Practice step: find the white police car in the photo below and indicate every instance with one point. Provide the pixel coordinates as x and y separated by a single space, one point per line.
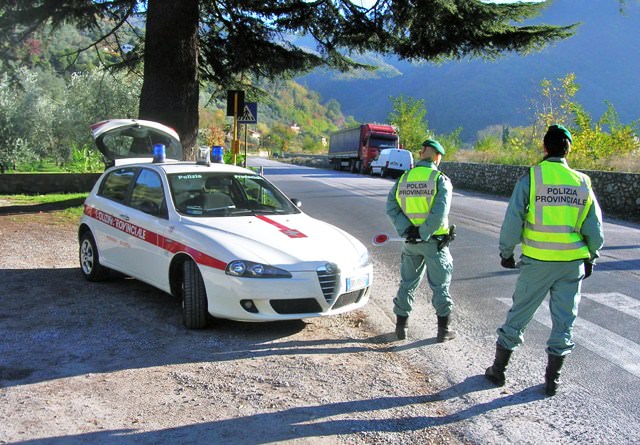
220 237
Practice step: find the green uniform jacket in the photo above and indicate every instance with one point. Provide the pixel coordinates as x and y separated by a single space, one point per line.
437 214
512 226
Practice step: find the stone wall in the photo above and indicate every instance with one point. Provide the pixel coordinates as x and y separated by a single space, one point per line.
617 193
42 183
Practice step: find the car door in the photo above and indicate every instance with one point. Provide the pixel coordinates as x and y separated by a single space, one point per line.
377 163
148 224
111 214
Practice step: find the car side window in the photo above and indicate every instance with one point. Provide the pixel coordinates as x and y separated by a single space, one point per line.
117 184
148 194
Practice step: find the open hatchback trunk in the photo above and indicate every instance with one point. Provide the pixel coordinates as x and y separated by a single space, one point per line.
122 141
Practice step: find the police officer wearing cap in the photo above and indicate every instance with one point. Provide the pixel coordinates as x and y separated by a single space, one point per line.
418 207
554 213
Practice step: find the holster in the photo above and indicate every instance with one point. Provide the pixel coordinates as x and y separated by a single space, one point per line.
445 240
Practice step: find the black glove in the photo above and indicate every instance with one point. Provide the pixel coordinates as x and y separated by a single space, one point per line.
412 235
588 269
508 263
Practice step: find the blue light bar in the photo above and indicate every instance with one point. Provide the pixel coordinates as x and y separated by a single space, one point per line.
159 153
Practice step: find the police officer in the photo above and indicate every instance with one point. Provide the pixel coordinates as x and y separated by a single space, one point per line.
418 207
554 213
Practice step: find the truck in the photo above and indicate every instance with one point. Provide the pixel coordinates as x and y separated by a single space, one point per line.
353 149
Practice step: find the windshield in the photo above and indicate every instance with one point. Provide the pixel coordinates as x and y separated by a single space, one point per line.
383 141
225 194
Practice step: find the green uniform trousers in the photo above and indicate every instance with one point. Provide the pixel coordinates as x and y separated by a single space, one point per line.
438 264
562 280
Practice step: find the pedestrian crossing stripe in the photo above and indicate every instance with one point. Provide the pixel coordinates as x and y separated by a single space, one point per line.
607 344
619 302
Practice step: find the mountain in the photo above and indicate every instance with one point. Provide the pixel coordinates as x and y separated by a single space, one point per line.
474 94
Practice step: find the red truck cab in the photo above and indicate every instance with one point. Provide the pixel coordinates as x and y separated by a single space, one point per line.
353 149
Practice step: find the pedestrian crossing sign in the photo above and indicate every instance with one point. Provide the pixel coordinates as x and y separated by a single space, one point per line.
249 114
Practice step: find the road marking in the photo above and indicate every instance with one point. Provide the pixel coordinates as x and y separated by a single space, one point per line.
619 302
608 345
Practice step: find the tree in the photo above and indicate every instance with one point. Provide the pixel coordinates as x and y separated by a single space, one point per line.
48 118
231 41
408 116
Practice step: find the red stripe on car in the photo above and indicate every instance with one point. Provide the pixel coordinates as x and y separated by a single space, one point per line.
291 233
153 238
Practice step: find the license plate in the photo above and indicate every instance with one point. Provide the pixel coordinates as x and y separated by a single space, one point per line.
357 282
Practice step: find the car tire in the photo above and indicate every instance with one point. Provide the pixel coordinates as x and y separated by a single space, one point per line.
383 172
90 259
194 297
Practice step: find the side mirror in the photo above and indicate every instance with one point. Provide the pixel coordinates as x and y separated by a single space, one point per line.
297 202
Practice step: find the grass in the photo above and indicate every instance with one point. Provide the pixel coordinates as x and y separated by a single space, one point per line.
66 206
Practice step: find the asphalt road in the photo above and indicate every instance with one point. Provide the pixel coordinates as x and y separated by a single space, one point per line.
600 396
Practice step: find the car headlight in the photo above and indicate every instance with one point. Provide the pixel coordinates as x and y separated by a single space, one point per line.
249 269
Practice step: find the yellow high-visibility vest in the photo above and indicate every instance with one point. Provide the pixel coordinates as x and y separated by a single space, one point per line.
415 194
559 199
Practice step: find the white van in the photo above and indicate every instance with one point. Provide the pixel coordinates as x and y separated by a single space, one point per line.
392 162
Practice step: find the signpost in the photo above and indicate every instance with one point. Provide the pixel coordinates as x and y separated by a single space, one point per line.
249 116
235 102
243 113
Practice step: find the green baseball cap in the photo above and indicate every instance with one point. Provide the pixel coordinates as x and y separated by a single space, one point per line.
559 131
434 144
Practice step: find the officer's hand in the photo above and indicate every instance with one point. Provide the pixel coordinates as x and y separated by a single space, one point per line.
508 263
412 234
588 269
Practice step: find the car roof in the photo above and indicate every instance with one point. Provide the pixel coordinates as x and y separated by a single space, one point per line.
391 150
185 166
171 167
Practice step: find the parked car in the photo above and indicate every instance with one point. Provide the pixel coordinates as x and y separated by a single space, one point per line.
220 237
392 162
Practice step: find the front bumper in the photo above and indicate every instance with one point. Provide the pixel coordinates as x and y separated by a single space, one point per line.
304 295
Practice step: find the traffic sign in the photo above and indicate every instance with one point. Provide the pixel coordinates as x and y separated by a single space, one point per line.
249 114
235 98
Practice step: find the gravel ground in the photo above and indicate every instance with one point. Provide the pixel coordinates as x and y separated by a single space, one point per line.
111 363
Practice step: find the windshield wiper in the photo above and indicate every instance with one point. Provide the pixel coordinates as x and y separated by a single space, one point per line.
273 212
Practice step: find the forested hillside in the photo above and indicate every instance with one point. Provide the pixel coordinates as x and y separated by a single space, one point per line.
48 103
604 55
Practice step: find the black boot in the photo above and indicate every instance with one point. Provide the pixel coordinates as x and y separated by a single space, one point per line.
444 333
552 376
401 326
495 372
